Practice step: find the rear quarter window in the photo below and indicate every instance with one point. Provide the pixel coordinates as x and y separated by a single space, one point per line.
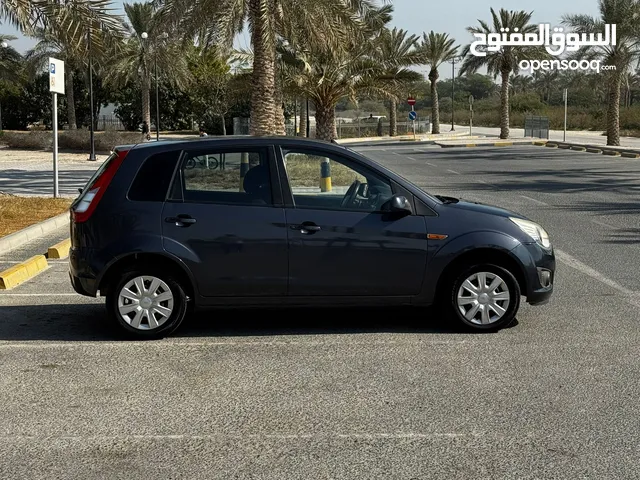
154 177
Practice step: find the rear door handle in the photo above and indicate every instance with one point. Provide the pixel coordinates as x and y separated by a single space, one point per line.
306 228
181 220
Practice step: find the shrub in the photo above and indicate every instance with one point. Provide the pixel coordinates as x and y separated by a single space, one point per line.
27 140
78 140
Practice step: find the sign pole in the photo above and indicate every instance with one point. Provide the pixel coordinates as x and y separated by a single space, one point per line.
564 138
55 145
470 115
56 86
414 124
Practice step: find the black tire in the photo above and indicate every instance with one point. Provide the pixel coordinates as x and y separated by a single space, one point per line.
175 319
455 283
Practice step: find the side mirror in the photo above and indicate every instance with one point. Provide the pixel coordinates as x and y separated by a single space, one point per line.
398 204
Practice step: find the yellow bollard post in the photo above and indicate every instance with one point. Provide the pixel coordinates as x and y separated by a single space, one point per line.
325 175
244 168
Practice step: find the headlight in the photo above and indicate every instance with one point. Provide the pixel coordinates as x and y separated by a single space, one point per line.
534 230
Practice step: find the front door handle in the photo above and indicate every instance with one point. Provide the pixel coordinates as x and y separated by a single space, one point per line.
307 228
181 220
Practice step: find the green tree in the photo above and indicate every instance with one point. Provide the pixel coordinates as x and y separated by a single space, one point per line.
217 21
624 14
146 50
505 61
437 48
397 50
211 92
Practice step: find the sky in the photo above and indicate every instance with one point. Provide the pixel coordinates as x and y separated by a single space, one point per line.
418 16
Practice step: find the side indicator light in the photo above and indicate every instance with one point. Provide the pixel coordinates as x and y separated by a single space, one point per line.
436 236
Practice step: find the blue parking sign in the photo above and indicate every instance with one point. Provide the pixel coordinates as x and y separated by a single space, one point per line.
53 68
412 115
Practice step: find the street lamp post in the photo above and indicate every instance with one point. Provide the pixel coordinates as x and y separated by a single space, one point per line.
453 91
92 153
3 45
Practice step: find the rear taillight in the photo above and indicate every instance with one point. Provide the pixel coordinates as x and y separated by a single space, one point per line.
88 201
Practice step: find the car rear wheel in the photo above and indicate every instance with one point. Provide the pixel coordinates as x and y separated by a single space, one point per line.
484 297
146 304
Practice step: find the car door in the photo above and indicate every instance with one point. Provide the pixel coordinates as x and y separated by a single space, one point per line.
340 242
226 221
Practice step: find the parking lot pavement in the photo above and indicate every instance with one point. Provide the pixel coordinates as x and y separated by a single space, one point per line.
356 394
24 172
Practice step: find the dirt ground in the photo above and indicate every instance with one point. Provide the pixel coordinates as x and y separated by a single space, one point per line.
10 156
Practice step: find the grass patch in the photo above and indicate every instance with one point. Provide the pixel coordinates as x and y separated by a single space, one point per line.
20 212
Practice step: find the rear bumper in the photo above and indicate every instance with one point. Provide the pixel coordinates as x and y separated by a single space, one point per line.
83 280
539 268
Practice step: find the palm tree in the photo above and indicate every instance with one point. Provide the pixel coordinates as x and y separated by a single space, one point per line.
505 61
326 75
10 61
70 19
437 49
144 46
625 14
398 45
217 21
544 81
521 83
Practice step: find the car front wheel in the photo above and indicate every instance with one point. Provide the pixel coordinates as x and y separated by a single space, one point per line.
146 305
484 297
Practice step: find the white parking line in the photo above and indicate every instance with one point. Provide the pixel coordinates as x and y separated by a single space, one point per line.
242 436
429 163
262 343
2 294
535 200
602 224
629 295
453 171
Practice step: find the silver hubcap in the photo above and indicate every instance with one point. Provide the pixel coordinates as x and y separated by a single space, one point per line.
483 298
145 303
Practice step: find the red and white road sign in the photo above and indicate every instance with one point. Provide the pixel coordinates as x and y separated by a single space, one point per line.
411 101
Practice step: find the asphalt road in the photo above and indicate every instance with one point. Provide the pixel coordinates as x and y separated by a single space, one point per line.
370 394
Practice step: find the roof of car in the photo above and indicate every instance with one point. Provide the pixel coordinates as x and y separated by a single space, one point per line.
239 139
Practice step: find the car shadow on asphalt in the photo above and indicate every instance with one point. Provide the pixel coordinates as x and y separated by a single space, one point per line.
87 322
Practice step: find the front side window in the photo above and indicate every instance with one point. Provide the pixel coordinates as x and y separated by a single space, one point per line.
328 181
229 177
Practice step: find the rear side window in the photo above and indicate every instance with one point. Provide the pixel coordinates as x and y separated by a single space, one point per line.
154 177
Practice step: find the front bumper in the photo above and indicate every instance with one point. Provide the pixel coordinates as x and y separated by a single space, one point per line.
539 270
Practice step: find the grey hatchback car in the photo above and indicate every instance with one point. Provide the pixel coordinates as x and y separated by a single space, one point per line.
258 221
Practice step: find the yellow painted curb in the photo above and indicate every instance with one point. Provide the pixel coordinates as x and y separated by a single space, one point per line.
594 150
578 149
611 153
540 144
60 250
22 272
503 144
551 145
630 155
564 147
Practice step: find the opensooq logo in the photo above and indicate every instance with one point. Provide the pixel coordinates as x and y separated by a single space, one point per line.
562 42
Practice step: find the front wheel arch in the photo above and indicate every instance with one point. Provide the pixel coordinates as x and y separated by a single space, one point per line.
481 256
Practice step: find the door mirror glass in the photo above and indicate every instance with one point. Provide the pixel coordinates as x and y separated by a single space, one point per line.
397 204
